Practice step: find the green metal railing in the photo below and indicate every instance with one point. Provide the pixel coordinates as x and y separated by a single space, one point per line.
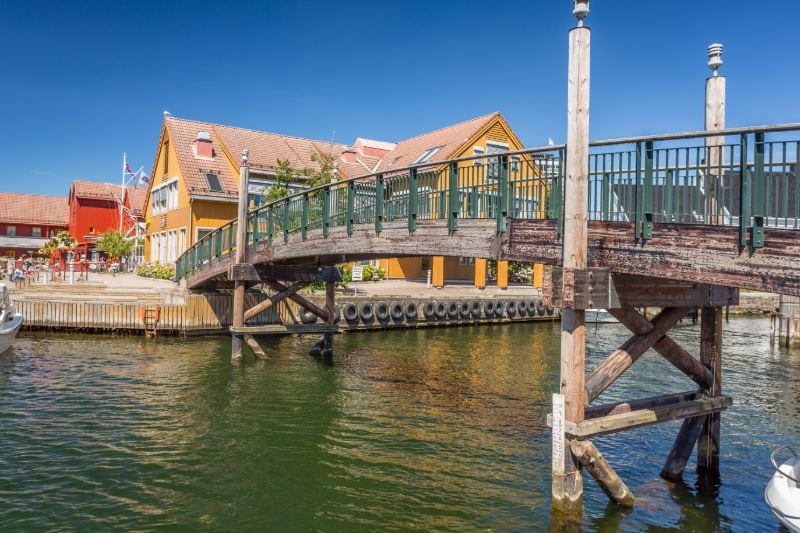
735 177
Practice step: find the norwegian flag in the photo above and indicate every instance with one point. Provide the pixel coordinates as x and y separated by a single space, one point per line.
144 179
128 170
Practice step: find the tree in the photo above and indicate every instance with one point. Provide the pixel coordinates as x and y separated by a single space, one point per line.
114 244
284 175
60 242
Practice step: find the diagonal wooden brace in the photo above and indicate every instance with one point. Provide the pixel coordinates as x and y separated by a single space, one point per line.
272 300
321 313
591 458
627 354
669 349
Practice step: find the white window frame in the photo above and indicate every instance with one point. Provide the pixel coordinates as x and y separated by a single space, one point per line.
478 151
198 229
427 155
164 198
36 231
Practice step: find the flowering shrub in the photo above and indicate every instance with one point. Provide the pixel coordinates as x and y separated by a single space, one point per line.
156 270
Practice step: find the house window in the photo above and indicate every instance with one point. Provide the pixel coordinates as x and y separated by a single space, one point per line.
91 230
10 254
11 231
36 232
477 150
182 241
213 182
426 155
514 163
466 260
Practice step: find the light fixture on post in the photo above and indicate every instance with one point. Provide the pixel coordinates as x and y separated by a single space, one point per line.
580 10
714 57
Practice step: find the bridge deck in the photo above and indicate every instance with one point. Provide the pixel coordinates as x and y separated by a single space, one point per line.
701 253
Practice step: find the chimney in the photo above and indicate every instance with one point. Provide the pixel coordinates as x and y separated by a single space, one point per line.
203 146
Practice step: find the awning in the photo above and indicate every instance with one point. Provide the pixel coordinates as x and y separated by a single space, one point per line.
29 243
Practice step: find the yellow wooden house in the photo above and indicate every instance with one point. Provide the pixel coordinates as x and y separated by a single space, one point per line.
194 180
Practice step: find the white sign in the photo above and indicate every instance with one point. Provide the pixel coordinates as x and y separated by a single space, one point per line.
558 433
358 273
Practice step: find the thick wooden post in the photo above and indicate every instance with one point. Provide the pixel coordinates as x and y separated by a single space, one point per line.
567 483
711 356
330 308
480 273
538 275
502 274
437 276
715 120
240 257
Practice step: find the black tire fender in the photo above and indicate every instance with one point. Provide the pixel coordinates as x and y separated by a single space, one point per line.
396 310
307 317
441 310
381 310
351 312
488 309
429 310
411 311
367 312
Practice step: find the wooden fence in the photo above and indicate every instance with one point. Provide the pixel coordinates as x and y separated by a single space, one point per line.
201 314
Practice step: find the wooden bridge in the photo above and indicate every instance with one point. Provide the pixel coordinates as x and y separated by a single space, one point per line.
677 222
658 207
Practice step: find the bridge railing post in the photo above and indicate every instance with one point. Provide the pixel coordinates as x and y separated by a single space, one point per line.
326 211
745 192
379 203
413 199
647 193
759 211
286 220
304 220
351 206
502 192
453 200
270 225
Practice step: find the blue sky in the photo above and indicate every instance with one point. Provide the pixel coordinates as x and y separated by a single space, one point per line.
83 82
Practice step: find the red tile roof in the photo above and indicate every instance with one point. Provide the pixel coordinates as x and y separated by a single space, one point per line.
183 133
136 196
33 209
95 190
449 139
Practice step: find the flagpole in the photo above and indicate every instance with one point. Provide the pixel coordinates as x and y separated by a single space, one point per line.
122 196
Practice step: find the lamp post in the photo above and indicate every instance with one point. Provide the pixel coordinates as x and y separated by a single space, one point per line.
568 405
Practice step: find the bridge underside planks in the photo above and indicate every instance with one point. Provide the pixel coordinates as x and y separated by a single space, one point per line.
699 253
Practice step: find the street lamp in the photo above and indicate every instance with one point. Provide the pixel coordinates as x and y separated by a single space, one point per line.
580 10
714 57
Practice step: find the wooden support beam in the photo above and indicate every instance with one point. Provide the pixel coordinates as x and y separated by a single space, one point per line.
272 300
330 302
682 448
591 458
644 417
711 356
644 403
620 360
239 258
669 349
278 286
255 346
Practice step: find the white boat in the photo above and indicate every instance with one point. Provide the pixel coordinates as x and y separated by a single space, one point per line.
783 490
10 320
599 316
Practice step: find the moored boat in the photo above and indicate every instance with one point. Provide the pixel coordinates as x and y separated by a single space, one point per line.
783 490
10 320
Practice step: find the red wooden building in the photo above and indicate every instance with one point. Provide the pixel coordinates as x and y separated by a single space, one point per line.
27 221
94 208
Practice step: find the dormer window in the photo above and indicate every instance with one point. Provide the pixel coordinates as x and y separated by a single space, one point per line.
213 182
426 155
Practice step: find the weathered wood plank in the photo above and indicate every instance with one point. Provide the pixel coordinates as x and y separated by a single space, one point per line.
644 417
594 461
627 354
682 448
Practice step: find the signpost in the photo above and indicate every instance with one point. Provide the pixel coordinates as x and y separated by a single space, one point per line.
357 275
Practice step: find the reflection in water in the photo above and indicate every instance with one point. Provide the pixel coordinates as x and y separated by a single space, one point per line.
429 429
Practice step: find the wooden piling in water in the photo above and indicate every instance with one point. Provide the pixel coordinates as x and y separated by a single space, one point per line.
241 257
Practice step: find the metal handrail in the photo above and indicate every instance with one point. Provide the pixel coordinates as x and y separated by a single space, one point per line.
775 464
628 197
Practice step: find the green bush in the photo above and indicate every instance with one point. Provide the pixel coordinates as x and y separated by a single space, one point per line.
156 270
372 273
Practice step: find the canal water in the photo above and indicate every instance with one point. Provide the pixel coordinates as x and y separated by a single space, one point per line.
428 430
